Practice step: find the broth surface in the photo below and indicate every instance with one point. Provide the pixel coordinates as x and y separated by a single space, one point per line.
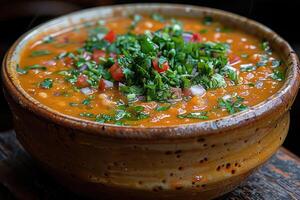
260 73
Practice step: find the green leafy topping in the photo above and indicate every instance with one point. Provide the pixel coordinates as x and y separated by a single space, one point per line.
194 115
263 60
163 108
203 31
123 113
20 70
48 39
180 64
244 55
88 100
251 84
31 67
232 104
72 104
247 67
224 29
46 83
157 17
87 115
265 45
207 20
136 19
40 53
276 63
278 74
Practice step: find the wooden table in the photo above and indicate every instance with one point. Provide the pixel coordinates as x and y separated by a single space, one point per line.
278 179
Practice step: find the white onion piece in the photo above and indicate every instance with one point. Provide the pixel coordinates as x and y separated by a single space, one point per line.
86 55
87 90
187 37
226 97
108 84
83 67
121 84
197 90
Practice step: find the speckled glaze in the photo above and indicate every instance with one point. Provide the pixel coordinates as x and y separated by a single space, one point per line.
196 161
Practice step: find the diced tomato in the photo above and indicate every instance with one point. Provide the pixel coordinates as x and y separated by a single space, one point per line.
165 66
102 85
234 59
68 61
196 37
110 36
116 72
98 54
82 81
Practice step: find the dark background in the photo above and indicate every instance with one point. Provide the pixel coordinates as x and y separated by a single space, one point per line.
17 17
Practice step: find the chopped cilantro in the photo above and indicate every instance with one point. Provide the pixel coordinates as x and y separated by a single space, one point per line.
46 83
72 104
194 115
87 101
40 53
157 17
207 20
263 60
278 74
163 108
224 29
135 20
247 67
203 31
276 63
87 115
232 104
244 55
27 68
48 39
265 45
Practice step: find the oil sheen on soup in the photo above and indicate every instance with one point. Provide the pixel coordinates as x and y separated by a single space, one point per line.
150 70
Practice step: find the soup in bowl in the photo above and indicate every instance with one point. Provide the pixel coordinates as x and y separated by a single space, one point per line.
151 101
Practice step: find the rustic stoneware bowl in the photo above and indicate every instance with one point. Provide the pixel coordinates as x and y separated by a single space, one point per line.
197 161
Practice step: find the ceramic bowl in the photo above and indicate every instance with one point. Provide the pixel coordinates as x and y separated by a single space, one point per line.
196 161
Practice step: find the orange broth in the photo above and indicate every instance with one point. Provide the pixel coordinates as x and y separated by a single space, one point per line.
254 86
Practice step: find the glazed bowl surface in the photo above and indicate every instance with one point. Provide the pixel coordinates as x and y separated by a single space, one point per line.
195 161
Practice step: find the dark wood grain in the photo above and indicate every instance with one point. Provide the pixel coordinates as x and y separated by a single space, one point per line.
279 179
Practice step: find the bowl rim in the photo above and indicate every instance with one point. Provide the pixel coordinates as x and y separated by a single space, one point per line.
283 97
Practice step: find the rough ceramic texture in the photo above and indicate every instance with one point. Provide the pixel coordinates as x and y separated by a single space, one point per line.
196 161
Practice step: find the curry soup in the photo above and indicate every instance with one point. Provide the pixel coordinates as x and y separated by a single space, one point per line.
150 71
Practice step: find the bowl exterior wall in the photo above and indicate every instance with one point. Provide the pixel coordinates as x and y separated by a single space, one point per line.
197 167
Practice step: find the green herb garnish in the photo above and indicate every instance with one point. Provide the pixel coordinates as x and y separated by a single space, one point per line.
244 55
40 53
163 108
194 115
247 67
232 104
157 17
27 68
46 83
203 31
276 63
48 39
265 45
136 19
207 20
278 74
